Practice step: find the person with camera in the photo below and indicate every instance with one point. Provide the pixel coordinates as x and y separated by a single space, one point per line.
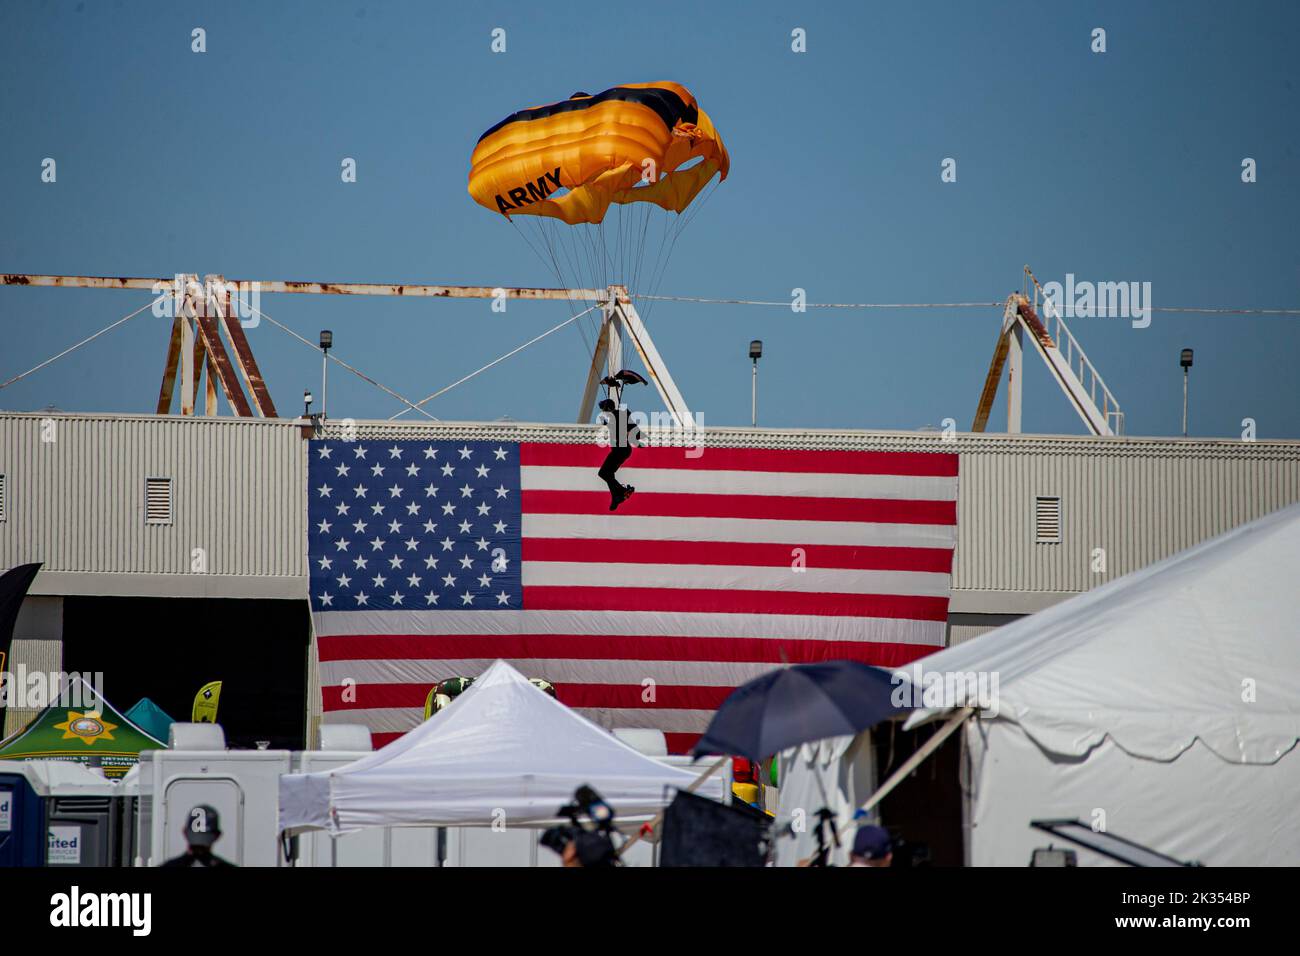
579 845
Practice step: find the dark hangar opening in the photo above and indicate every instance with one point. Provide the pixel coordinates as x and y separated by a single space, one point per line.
167 648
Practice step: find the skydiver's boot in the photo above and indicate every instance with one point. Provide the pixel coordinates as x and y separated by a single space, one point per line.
626 493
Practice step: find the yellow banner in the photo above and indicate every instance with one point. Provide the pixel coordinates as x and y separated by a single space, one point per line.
205 703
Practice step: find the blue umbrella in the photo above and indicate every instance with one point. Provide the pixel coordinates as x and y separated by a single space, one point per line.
796 705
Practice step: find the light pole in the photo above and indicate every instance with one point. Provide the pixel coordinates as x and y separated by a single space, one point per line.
326 343
755 353
1185 360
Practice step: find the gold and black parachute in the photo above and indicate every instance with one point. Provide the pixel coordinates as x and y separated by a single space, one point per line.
639 142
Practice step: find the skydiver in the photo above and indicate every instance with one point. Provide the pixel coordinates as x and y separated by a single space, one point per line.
625 435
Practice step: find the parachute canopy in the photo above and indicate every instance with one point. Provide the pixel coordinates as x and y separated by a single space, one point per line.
629 144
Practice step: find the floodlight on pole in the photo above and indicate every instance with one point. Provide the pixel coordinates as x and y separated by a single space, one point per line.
755 353
1185 360
326 343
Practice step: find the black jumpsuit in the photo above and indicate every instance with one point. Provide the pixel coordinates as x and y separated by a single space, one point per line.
624 436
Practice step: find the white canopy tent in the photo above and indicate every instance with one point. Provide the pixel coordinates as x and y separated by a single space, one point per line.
1164 706
503 752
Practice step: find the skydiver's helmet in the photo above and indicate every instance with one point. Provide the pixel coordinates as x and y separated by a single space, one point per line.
607 405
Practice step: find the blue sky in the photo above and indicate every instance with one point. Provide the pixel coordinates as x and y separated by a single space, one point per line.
1122 166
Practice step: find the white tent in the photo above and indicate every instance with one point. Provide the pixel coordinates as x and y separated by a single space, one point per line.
1164 706
503 752
837 773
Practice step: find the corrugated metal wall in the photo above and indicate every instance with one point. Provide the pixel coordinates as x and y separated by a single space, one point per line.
45 656
76 502
1138 502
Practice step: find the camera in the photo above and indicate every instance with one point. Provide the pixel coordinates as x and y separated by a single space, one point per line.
577 843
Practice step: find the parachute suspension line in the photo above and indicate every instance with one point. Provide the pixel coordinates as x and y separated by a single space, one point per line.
654 270
554 266
570 245
678 228
641 243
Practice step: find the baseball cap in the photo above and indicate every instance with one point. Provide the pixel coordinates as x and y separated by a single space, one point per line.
203 826
872 843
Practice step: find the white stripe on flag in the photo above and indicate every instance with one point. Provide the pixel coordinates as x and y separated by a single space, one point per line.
669 720
641 623
557 671
691 481
657 528
732 578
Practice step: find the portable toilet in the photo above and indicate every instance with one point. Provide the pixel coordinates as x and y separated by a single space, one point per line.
58 813
22 818
82 815
243 786
129 800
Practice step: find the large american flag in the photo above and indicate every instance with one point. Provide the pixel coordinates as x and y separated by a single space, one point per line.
431 559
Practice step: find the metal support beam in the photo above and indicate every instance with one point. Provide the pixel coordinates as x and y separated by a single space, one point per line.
218 301
999 361
654 364
169 370
218 359
1015 375
622 322
157 286
1078 379
187 360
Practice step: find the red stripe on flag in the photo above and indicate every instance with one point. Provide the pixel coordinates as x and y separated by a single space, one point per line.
737 553
666 696
374 696
776 507
682 744
593 647
922 464
670 696
732 601
379 740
